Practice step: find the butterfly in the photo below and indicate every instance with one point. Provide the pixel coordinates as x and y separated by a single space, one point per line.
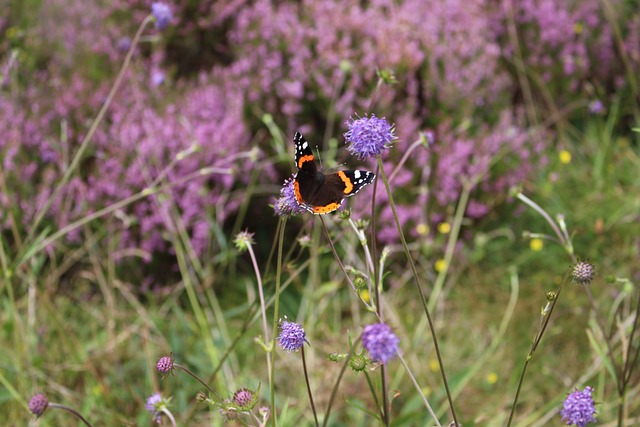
321 193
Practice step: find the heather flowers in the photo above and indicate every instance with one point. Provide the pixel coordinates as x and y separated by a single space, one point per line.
162 15
291 336
380 341
286 204
369 136
578 408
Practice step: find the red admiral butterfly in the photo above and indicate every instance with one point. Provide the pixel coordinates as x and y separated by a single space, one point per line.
321 193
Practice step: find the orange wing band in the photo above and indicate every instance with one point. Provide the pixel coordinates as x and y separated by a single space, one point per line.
305 159
348 185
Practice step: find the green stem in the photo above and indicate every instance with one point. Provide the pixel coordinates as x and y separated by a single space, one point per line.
73 411
420 291
276 306
92 129
306 379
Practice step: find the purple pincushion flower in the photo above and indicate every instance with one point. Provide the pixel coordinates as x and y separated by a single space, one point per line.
287 204
153 403
579 408
292 336
38 404
583 272
162 14
380 341
369 136
245 399
165 364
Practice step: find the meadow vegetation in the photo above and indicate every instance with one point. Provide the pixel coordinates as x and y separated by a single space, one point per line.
157 267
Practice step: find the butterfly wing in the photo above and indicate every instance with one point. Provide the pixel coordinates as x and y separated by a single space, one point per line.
319 193
336 187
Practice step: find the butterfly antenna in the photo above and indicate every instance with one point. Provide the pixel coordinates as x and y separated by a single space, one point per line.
319 158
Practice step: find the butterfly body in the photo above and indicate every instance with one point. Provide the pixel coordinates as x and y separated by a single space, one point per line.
321 193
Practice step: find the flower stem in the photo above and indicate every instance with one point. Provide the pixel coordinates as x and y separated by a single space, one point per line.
534 346
420 291
306 379
73 411
184 368
276 307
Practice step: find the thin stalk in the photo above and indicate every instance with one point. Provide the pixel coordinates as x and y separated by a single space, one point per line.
335 254
420 292
92 129
276 306
334 391
265 328
73 411
306 379
534 346
185 369
419 390
386 409
545 215
372 389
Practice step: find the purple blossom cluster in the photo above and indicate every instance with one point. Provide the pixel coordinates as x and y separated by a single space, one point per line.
285 58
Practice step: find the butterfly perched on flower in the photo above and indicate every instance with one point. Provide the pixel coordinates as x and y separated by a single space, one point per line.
321 193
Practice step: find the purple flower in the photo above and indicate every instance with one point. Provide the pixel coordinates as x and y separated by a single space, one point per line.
162 14
369 136
123 44
245 399
292 336
579 408
38 404
157 77
380 342
165 364
583 272
287 204
596 107
153 406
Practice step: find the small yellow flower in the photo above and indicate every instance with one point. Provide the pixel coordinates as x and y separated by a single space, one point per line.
444 227
364 294
578 27
536 245
440 265
565 157
492 378
434 365
422 229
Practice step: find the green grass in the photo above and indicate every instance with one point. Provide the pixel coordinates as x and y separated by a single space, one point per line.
87 338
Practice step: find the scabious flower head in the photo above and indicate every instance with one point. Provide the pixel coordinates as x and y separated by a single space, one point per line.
583 272
287 205
165 365
38 404
162 14
369 136
243 240
155 405
245 399
380 341
579 408
358 362
291 336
